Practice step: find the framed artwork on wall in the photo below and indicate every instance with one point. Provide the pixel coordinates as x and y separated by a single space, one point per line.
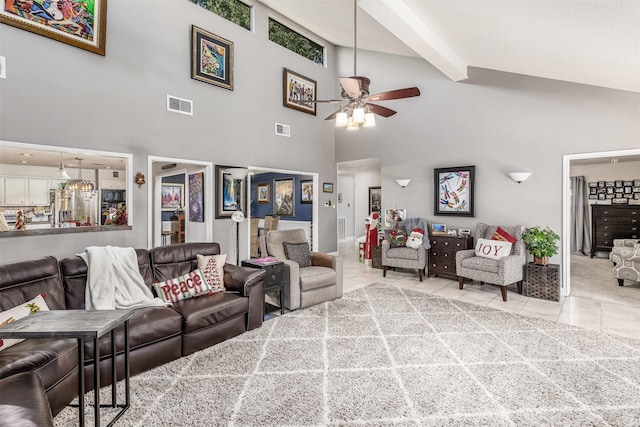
375 199
327 187
296 89
393 216
283 195
454 191
172 196
196 197
211 58
263 193
230 195
306 191
81 24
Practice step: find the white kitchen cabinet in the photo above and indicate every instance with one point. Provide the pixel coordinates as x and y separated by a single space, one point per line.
1 191
15 191
110 184
38 191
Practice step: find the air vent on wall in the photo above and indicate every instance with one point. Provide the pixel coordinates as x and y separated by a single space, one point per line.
283 130
179 105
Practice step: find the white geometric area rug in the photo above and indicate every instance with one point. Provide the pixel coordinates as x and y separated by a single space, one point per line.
386 356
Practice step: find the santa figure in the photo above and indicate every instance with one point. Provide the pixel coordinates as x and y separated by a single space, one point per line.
371 225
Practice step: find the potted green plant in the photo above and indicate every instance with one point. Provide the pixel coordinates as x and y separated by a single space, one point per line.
541 242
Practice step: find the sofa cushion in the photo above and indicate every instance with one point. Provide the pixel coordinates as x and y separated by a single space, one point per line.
298 253
479 263
18 312
502 235
212 267
403 253
189 285
21 281
492 249
208 310
316 277
147 326
175 260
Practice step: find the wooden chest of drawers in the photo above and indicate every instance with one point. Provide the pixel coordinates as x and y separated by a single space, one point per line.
610 222
442 255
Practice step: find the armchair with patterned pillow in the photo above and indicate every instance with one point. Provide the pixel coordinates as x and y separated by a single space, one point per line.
313 277
498 258
395 253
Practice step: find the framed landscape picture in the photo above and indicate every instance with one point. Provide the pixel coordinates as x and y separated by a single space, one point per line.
172 196
454 191
296 89
327 187
263 193
211 58
284 202
81 24
306 191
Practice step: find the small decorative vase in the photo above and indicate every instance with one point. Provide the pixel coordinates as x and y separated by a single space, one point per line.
541 261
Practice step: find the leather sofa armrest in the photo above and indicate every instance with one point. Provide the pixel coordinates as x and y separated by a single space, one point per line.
322 260
242 279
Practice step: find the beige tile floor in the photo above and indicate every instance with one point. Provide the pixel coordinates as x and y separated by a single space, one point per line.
603 316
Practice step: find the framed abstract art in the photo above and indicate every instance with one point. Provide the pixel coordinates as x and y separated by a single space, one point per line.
211 58
454 191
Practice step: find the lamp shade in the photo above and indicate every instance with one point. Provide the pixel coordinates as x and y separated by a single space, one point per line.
519 176
369 120
238 173
358 115
342 119
403 182
352 125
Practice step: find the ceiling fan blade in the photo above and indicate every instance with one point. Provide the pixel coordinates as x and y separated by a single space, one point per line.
395 94
350 86
380 110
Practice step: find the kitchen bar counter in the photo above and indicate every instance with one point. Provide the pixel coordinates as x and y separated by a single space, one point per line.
44 231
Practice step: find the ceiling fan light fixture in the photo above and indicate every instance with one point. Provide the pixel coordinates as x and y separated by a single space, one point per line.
358 115
351 125
342 119
369 120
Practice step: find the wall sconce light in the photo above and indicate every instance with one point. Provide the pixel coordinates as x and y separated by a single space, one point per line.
403 182
140 179
519 176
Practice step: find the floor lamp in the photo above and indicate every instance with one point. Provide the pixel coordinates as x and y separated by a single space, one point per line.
238 174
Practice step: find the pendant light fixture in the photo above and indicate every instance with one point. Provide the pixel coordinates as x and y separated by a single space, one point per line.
62 172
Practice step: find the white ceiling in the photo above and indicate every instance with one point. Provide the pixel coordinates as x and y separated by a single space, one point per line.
594 42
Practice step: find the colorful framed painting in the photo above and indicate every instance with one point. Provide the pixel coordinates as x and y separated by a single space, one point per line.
454 191
284 197
230 194
81 24
298 92
375 199
306 191
211 58
172 196
196 197
327 187
263 193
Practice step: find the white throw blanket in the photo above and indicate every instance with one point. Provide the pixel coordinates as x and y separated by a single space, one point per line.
114 280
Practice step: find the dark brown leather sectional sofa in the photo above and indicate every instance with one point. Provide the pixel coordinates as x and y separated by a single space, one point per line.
157 335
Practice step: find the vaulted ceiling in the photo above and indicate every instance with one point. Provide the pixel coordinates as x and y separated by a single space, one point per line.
594 42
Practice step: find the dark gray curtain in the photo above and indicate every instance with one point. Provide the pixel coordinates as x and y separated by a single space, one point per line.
580 224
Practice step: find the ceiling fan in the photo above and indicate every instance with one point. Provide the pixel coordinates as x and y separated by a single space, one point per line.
355 91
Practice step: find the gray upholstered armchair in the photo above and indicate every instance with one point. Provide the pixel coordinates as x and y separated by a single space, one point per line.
321 281
501 272
403 257
627 265
622 248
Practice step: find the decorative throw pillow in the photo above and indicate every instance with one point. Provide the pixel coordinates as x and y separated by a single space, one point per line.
502 235
396 237
213 269
299 253
23 310
183 287
492 249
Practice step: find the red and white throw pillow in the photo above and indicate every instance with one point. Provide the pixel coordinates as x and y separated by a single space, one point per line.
213 269
183 287
492 249
23 310
502 235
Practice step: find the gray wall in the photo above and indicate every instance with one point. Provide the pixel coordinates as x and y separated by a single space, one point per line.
60 95
499 122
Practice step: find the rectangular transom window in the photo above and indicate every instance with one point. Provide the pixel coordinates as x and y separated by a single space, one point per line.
231 10
295 42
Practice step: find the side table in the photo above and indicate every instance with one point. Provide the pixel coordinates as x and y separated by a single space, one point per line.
543 281
81 324
274 280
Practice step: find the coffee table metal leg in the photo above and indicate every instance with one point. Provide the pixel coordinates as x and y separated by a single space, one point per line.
113 368
126 364
81 382
282 300
96 381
